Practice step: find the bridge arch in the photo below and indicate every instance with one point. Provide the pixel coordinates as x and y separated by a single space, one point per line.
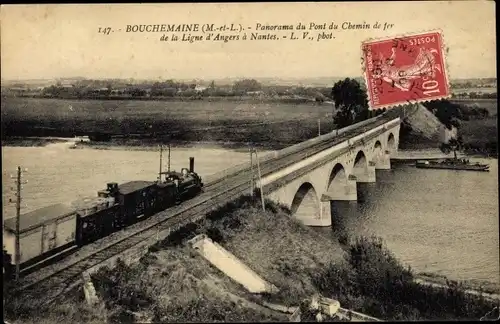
337 178
363 168
377 151
360 161
305 203
391 143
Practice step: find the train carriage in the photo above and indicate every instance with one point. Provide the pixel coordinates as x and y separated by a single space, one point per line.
43 233
97 217
137 199
51 232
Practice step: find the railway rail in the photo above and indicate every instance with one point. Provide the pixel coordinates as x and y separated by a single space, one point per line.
216 193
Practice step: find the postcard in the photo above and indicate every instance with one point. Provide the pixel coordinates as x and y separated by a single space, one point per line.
283 161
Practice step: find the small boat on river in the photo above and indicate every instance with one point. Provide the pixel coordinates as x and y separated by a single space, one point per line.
453 164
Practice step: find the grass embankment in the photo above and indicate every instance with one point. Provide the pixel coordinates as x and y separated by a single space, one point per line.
73 309
280 249
173 283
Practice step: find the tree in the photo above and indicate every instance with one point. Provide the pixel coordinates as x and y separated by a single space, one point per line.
445 111
351 102
247 85
454 144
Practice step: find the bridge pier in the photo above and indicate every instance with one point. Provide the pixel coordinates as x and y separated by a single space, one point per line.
383 161
325 215
366 174
347 192
322 218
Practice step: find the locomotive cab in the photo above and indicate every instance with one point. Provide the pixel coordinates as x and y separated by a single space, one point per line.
110 191
187 182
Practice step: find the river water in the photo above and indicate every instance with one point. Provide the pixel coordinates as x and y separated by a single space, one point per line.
57 174
438 221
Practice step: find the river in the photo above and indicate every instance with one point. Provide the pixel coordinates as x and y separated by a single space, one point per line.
57 174
439 221
443 222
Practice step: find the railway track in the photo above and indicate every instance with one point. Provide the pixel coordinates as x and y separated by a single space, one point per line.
216 193
313 149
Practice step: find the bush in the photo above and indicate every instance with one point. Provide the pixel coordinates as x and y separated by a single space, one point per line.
372 281
444 110
119 288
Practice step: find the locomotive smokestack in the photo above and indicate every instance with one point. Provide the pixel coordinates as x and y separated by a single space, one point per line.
191 164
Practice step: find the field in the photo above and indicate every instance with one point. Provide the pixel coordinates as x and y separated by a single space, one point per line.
490 104
481 135
183 121
477 90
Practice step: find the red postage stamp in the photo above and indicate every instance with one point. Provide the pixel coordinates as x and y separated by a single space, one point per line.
402 70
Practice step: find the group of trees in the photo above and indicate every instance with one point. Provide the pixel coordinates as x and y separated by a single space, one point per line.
247 85
351 103
450 113
474 83
474 95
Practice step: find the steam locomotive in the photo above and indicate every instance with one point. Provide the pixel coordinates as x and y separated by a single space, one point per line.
59 229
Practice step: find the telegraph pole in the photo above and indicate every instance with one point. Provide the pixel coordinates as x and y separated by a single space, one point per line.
251 170
19 183
18 219
319 126
168 166
260 181
161 156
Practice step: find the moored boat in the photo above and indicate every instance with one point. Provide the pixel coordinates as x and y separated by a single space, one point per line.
453 164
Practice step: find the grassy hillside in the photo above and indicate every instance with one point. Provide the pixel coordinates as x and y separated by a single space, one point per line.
476 122
172 283
420 128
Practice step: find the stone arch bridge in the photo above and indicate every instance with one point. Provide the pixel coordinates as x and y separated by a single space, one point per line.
309 186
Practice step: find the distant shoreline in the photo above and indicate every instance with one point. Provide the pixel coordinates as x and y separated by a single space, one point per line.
149 145
136 145
246 98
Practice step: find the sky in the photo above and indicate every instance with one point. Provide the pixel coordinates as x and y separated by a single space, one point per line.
62 41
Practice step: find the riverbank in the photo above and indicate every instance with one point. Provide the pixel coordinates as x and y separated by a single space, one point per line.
30 142
140 144
173 283
489 289
145 145
421 154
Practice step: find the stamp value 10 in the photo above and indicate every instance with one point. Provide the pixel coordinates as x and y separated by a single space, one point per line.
403 70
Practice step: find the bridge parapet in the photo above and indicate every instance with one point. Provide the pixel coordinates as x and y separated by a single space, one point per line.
296 147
